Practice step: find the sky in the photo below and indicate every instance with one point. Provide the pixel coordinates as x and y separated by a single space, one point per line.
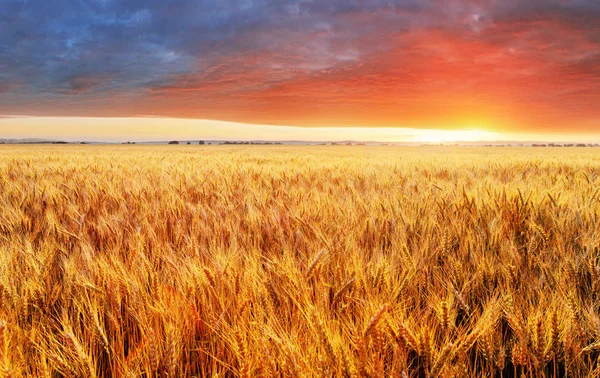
233 69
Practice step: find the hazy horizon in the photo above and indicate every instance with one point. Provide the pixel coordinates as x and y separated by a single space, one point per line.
140 129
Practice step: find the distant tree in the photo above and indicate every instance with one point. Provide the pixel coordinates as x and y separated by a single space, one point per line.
201 142
189 142
174 142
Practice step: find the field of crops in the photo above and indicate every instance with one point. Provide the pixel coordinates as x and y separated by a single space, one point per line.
299 261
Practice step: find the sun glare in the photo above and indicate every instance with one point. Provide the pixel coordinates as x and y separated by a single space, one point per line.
447 136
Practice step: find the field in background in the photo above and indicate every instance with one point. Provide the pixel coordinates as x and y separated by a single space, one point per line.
298 261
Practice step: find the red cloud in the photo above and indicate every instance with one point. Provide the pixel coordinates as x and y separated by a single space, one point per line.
508 74
463 63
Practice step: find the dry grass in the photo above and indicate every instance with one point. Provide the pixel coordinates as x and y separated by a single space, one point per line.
294 261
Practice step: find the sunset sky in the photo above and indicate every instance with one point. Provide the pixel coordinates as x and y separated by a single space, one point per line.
412 70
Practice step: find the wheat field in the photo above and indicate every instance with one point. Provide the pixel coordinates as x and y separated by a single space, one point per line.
284 261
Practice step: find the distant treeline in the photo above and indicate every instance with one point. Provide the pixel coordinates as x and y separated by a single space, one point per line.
565 145
260 143
337 144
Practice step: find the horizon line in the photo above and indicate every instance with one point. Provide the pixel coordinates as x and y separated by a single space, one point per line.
340 142
148 129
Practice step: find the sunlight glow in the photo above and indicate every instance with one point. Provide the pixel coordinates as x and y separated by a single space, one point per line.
148 129
446 136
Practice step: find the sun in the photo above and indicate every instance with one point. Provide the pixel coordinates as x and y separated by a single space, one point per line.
465 135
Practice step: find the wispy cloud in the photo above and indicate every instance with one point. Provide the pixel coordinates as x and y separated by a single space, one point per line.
510 64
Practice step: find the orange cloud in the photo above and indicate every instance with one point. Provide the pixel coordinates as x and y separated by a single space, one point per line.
506 75
497 65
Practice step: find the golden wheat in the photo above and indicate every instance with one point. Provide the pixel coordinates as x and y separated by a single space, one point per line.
267 261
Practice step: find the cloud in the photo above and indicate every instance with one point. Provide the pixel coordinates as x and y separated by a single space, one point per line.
82 83
513 63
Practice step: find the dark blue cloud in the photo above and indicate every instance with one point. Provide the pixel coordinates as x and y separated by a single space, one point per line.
131 43
52 52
